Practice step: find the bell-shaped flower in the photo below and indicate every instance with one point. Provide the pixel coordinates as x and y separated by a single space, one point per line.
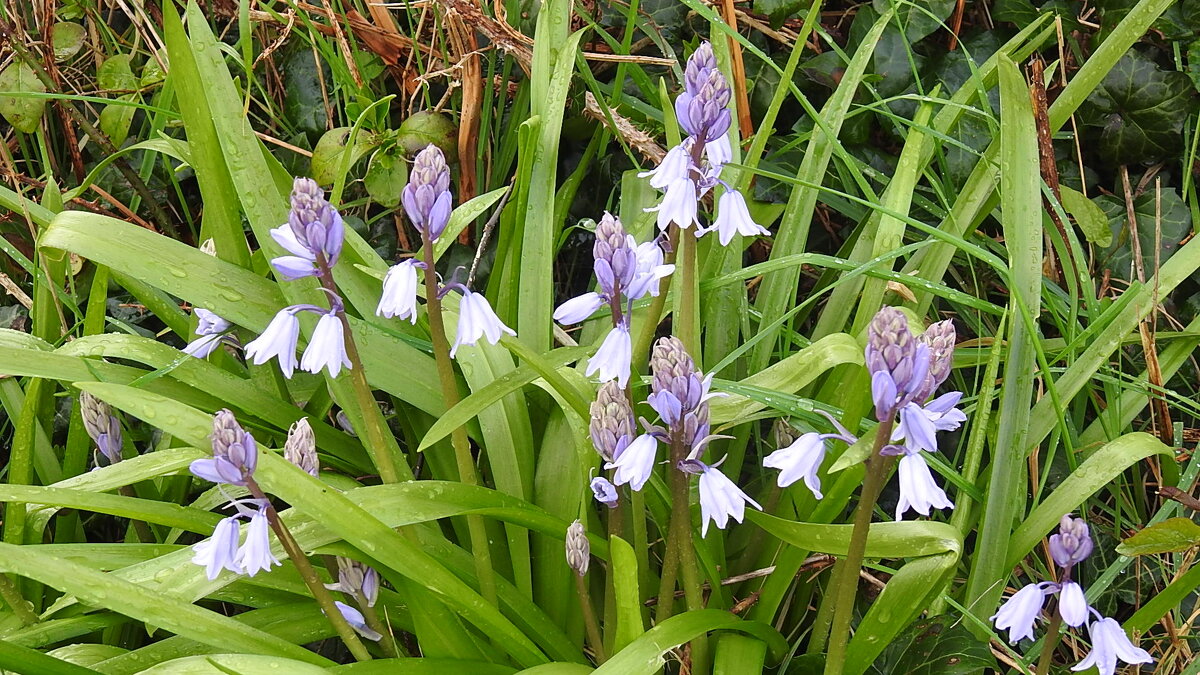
399 297
801 459
1110 644
720 498
650 270
612 360
676 165
918 490
943 413
327 349
278 340
718 151
294 267
1020 611
915 429
678 204
734 218
604 491
475 320
220 550
255 555
357 621
636 462
578 309
1072 604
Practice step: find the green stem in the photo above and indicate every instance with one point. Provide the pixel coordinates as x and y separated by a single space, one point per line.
687 327
391 648
846 588
16 602
1049 643
680 553
458 438
321 594
377 445
589 619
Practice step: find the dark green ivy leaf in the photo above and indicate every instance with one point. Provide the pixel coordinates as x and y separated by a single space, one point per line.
932 648
919 18
1139 110
1173 535
1174 223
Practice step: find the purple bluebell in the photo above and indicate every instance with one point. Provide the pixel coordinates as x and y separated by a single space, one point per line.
635 463
650 270
680 204
357 621
733 218
1072 604
1109 645
801 459
1020 611
300 448
720 498
235 453
898 362
357 580
1072 543
255 555
102 427
918 490
327 348
604 491
426 197
210 331
476 319
578 549
277 340
611 426
612 360
220 550
313 234
399 297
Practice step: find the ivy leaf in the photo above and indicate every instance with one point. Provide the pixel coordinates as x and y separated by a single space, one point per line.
932 648
1193 60
115 119
327 156
1173 535
1139 110
919 18
779 10
23 112
1174 222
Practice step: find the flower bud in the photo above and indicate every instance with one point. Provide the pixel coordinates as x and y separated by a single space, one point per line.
301 447
427 198
604 491
313 221
235 453
102 426
612 420
578 548
357 579
616 261
699 64
1072 544
940 337
892 351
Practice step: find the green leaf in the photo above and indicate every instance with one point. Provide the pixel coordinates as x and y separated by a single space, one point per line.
918 17
428 128
116 74
1092 219
330 152
23 112
434 666
387 173
1160 214
1139 110
32 662
1172 535
645 654
66 39
931 647
232 664
624 570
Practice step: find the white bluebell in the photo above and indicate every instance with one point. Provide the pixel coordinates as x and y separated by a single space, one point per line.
1109 645
918 490
1020 611
399 296
721 499
635 463
612 360
476 319
255 555
220 550
327 348
277 340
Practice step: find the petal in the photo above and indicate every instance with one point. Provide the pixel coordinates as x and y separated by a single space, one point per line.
578 308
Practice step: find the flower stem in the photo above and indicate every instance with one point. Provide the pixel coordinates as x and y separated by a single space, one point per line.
847 581
687 327
1049 643
391 469
458 438
391 648
589 619
681 556
321 594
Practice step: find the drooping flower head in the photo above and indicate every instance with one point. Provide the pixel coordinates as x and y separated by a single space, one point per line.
255 555
301 447
313 234
357 621
278 339
103 427
426 198
1020 611
612 360
327 348
477 319
399 297
604 491
635 463
612 423
235 453
720 498
579 550
1109 645
357 580
220 550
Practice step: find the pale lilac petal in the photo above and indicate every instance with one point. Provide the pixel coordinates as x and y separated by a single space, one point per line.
719 151
204 345
916 429
475 320
733 217
255 555
801 459
357 621
277 340
285 237
612 360
327 349
604 491
578 309
667 405
721 498
294 267
636 463
1019 612
219 551
883 393
675 165
918 491
1110 643
217 470
1072 604
399 296
209 323
678 205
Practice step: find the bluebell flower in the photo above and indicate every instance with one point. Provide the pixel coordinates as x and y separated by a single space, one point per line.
210 331
219 551
611 425
650 270
801 459
235 453
734 218
635 463
1109 645
277 340
1072 543
426 197
313 234
1072 604
612 360
255 554
399 297
476 319
327 348
720 498
579 308
918 490
300 448
1018 614
604 491
357 621
357 580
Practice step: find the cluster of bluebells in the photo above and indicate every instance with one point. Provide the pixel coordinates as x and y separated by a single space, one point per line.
1070 546
211 329
360 582
679 394
693 167
427 201
906 370
235 456
102 427
625 272
313 235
